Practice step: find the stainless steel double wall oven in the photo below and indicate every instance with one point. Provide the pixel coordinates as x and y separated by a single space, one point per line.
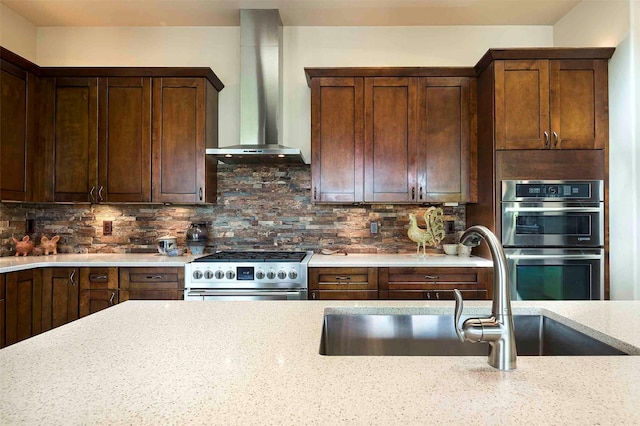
553 238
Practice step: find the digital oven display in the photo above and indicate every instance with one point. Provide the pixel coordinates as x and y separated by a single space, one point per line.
544 190
245 273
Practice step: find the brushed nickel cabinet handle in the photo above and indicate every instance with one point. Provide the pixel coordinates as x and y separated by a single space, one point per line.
313 295
98 277
315 193
100 193
437 296
71 277
546 139
200 193
343 278
421 193
431 277
429 295
154 277
413 193
113 294
555 139
93 199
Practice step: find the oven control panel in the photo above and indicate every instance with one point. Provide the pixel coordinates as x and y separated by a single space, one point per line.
222 272
552 190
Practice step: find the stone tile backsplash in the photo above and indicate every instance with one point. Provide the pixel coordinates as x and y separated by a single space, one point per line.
259 207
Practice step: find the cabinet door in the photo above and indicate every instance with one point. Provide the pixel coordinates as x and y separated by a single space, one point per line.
337 146
124 144
23 315
178 148
76 139
60 296
98 289
522 104
2 312
579 104
445 122
16 131
390 139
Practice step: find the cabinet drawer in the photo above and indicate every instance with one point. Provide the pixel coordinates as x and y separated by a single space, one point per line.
93 300
146 294
343 295
151 278
432 275
98 278
435 294
349 279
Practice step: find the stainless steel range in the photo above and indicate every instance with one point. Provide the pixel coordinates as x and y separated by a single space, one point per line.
248 275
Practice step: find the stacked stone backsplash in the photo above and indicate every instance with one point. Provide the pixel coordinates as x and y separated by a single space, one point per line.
259 207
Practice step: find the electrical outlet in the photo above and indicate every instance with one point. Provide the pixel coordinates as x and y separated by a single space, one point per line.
450 226
373 227
107 227
30 227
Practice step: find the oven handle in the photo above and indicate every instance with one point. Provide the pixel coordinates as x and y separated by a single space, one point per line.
240 293
555 256
554 209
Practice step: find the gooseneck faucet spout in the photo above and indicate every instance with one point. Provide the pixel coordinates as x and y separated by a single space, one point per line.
497 329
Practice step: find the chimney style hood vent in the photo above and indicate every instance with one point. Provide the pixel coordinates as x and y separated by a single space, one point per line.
260 93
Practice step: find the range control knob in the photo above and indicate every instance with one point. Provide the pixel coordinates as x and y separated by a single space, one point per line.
231 275
259 274
282 274
293 274
219 274
271 274
208 274
197 275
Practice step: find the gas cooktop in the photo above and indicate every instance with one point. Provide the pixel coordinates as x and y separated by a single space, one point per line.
254 256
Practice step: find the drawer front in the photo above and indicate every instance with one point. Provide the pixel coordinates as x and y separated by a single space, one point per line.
338 279
155 277
138 294
151 278
99 278
343 295
92 301
435 294
433 275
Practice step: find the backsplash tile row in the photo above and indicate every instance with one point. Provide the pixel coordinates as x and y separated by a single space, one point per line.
259 207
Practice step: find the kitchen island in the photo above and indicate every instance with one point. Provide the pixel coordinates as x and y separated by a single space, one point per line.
175 362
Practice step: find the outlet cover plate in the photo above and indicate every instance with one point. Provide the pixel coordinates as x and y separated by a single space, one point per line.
107 227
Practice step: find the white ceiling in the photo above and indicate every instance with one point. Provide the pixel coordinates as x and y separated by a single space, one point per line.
293 12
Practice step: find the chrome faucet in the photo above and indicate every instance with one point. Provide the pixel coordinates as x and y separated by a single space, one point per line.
497 329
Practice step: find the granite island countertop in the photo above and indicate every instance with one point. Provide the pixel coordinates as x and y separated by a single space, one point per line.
75 260
176 362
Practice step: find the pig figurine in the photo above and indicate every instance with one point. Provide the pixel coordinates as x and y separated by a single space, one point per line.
23 247
49 245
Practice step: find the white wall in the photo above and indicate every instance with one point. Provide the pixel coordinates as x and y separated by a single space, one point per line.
17 34
600 23
218 48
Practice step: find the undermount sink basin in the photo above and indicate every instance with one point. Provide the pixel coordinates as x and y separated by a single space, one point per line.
372 334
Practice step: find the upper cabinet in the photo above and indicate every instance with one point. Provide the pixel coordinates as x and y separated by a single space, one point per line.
17 126
392 135
550 103
118 137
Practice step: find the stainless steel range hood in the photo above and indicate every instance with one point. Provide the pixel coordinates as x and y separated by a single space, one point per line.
260 93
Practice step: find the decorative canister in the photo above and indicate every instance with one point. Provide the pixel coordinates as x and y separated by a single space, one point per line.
197 236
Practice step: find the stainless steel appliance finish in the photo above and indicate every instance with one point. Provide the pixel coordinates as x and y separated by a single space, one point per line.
261 95
497 329
251 275
552 214
556 274
553 238
434 335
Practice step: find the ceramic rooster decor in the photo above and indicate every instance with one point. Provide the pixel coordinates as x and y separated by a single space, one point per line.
432 235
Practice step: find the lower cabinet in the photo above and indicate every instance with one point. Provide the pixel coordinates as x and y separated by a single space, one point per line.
98 289
60 296
22 305
433 283
151 284
343 283
2 311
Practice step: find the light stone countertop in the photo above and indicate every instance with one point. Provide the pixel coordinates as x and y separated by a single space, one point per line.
227 363
396 260
13 263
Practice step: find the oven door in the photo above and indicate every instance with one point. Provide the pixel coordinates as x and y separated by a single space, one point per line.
244 294
556 274
551 224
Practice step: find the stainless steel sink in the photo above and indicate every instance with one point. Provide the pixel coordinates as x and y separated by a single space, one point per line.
370 334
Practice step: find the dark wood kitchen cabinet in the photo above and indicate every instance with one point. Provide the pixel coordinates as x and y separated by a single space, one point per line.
18 151
551 104
2 312
343 283
185 123
98 289
60 296
22 305
151 283
409 283
392 135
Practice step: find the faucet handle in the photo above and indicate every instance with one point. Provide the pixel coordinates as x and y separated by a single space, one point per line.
458 314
